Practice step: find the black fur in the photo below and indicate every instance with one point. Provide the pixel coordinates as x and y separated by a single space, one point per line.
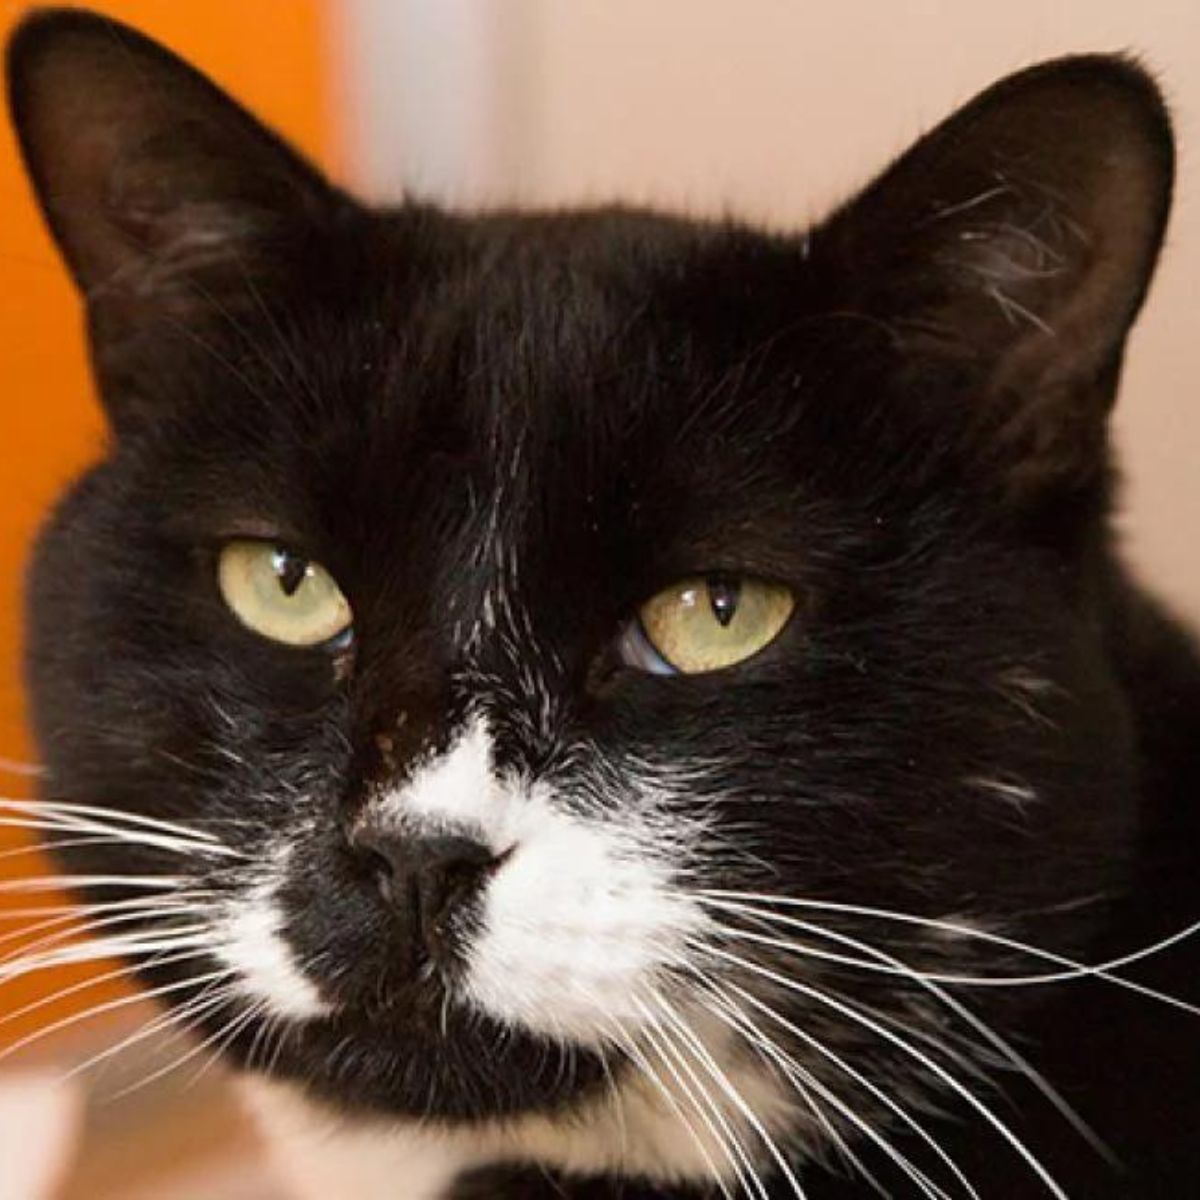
901 415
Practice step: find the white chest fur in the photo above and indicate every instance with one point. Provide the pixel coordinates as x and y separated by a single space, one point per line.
319 1157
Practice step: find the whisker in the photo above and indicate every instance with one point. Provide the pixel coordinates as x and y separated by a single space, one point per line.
43 847
283 1033
41 910
195 1009
77 911
873 1089
803 1082
102 1009
927 983
125 970
13 766
920 1056
170 1018
54 883
115 835
709 1112
81 932
65 919
628 1046
1075 970
220 1042
117 816
263 1036
112 947
723 1082
68 927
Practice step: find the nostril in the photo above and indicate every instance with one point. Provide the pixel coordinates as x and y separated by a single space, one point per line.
424 880
381 869
448 871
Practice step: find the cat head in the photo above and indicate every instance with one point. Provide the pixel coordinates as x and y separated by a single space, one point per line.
538 650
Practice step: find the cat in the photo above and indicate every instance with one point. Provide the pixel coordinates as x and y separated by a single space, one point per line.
604 704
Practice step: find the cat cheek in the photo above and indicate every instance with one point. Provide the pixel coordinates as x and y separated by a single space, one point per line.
252 945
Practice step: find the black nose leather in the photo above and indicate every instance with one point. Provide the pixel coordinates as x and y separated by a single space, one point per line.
425 879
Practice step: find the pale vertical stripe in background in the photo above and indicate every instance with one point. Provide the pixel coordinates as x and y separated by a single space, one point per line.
434 96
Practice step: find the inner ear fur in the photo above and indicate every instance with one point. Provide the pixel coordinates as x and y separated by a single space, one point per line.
148 174
1014 245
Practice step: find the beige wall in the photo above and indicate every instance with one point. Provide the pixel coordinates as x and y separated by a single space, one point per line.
774 108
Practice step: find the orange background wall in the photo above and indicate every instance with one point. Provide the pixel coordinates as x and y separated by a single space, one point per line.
272 55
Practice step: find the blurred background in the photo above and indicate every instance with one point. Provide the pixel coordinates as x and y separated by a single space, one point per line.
768 109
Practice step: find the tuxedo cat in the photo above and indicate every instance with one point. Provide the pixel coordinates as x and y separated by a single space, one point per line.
600 704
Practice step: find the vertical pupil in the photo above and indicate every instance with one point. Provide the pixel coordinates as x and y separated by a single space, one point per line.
723 595
290 570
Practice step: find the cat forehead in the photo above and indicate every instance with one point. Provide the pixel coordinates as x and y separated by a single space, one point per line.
512 346
599 280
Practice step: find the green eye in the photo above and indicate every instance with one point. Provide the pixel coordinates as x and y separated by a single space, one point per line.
705 624
280 595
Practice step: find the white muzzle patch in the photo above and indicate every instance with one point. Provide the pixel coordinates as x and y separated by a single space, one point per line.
582 917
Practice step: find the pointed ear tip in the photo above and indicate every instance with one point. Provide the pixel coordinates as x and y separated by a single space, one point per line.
41 28
26 43
1113 84
47 32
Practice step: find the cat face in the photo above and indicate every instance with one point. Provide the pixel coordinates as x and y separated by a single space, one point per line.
575 641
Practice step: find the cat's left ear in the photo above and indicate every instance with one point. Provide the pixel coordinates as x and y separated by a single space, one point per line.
1015 243
151 178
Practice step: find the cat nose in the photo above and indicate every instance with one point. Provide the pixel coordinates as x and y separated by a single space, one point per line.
426 879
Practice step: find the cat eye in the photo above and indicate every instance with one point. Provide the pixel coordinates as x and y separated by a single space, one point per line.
705 623
281 595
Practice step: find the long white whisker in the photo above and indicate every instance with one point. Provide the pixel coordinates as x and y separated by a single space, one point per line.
55 914
803 1082
890 1036
1074 970
709 1112
263 1036
14 766
109 815
40 910
170 1017
113 947
724 1083
123 971
76 908
115 836
195 1009
221 1041
896 965
628 1046
281 1040
54 883
873 1089
67 918
71 928
80 932
44 847
101 1009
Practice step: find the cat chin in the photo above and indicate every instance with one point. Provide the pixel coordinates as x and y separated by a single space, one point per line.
633 1127
416 1064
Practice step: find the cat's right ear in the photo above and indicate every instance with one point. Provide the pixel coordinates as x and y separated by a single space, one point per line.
151 178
